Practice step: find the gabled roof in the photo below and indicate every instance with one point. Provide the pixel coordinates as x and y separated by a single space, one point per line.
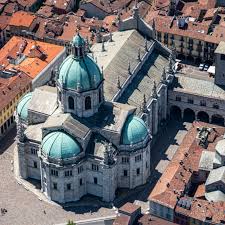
22 18
115 60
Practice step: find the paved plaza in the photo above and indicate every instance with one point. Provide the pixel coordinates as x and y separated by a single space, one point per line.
23 207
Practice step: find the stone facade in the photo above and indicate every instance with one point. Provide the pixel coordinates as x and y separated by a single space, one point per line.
109 155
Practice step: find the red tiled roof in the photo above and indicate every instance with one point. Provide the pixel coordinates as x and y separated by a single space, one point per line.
4 22
22 18
179 172
26 3
152 220
9 88
122 220
38 55
129 208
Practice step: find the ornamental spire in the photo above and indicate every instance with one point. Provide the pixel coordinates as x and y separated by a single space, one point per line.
139 54
110 37
146 45
174 53
163 77
154 91
129 68
170 66
144 104
118 83
103 45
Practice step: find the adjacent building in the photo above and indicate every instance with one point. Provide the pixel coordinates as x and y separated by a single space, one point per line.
191 189
24 65
101 9
11 89
194 29
37 59
195 95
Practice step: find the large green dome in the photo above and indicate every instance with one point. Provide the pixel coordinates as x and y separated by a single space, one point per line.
134 130
22 107
82 73
59 145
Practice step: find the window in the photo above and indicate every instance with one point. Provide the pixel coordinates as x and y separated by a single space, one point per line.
222 57
81 182
125 160
178 98
94 167
55 186
190 100
80 169
68 187
159 36
138 171
87 103
71 102
95 180
203 103
33 151
54 173
35 164
138 158
100 95
190 42
125 173
68 173
215 106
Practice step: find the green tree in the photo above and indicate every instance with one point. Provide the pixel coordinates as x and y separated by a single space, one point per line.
70 222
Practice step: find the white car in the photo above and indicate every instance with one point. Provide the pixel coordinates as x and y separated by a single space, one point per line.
201 66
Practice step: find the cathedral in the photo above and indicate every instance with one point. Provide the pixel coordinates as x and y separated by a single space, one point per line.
75 141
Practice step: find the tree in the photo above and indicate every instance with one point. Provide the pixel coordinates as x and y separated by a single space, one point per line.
70 222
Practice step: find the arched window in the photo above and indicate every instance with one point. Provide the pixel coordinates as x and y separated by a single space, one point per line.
71 102
87 103
100 95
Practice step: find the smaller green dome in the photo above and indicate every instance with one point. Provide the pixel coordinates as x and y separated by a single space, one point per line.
59 145
22 107
78 41
134 130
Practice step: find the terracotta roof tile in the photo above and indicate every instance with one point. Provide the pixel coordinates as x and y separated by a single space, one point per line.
129 208
22 18
122 220
37 55
178 174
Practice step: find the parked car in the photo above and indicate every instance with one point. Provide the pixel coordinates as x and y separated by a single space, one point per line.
206 67
201 66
